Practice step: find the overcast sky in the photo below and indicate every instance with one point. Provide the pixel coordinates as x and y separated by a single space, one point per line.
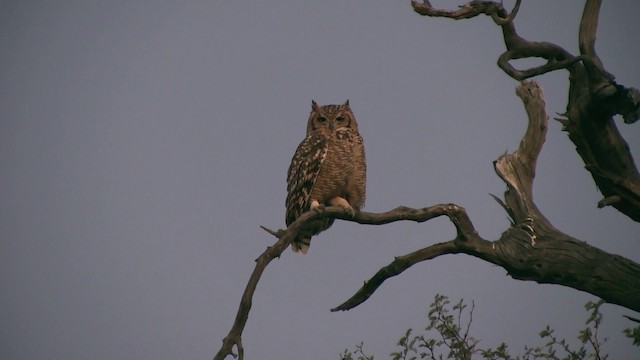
142 143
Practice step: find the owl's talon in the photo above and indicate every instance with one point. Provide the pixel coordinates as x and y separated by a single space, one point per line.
349 210
319 208
344 204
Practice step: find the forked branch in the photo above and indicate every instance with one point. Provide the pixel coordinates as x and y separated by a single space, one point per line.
594 97
532 248
517 47
457 215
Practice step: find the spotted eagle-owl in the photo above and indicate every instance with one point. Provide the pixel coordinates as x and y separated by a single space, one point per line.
328 169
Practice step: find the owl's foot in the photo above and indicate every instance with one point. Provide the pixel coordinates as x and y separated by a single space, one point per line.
343 203
317 207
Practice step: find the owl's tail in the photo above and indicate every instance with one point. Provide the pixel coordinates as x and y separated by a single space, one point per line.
301 245
303 240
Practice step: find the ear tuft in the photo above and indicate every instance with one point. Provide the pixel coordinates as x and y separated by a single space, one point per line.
314 105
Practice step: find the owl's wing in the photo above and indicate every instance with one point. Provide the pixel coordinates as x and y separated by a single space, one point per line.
303 173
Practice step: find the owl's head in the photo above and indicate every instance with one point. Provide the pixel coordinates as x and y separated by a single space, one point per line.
331 116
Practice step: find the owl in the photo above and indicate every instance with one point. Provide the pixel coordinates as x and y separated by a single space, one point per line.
328 168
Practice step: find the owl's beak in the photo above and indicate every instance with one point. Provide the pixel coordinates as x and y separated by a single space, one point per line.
332 125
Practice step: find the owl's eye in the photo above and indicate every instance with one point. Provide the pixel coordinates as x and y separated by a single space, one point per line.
321 119
340 119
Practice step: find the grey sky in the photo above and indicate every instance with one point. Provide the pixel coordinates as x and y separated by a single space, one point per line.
142 143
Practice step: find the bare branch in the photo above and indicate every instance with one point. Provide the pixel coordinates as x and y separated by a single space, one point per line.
533 251
396 267
532 96
276 233
509 18
547 51
234 338
517 170
458 216
468 10
600 78
594 97
285 237
532 248
467 238
506 208
589 28
517 47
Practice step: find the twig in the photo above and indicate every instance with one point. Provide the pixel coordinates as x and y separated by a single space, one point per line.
594 96
396 267
234 338
517 47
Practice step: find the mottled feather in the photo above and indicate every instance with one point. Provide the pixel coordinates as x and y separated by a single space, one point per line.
303 173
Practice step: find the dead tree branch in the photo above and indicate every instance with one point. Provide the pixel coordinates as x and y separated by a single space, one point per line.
517 47
285 237
517 252
594 97
532 248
